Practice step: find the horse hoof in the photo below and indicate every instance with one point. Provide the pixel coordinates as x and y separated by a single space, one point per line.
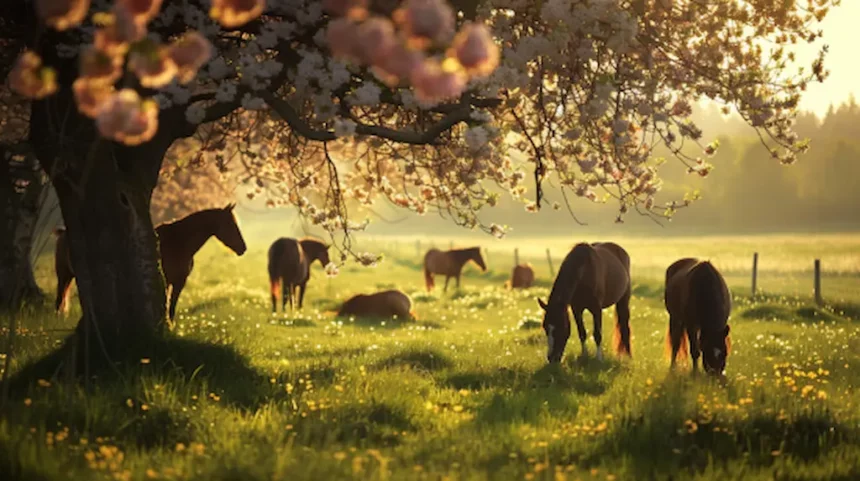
599 354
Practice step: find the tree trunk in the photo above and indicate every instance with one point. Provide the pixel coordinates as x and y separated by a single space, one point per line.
104 192
20 195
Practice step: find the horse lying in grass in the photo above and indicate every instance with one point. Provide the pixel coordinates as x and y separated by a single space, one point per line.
382 304
178 242
290 268
592 277
699 305
450 264
522 277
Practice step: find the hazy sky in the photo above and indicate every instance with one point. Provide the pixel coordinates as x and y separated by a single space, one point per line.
842 35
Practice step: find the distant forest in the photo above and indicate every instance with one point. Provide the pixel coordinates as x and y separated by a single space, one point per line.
747 192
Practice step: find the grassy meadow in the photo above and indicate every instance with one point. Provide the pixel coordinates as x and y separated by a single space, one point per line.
462 393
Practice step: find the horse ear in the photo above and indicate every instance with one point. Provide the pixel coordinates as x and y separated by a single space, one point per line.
541 303
230 206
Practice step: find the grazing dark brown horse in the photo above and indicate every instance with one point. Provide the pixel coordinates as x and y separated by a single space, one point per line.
450 264
592 277
522 277
290 268
380 304
178 242
699 305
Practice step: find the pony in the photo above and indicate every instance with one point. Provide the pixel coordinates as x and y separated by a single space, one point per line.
178 242
522 277
699 303
290 268
592 277
450 264
383 304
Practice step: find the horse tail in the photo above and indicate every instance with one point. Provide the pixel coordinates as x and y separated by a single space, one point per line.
428 278
622 335
413 314
682 348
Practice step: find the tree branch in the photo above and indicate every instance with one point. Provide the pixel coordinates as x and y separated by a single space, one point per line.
297 124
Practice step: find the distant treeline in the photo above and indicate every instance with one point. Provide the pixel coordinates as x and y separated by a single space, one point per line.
747 192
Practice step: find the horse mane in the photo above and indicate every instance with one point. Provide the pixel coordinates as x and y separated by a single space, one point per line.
194 216
464 254
706 286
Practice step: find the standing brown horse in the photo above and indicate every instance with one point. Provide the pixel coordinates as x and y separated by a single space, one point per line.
699 303
450 264
522 277
592 277
290 268
380 304
178 242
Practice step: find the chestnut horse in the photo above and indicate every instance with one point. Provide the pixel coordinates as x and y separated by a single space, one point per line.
290 268
450 264
178 242
383 304
592 277
522 277
699 305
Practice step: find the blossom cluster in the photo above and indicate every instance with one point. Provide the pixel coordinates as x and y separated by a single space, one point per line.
120 38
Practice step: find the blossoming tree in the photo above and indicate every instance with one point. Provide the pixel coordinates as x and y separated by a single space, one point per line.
421 102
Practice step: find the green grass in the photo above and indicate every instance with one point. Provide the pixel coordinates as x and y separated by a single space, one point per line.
462 393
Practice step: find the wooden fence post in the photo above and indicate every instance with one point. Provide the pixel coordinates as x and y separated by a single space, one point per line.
818 299
754 273
549 261
516 256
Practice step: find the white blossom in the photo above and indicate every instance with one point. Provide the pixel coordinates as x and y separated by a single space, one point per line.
226 92
195 113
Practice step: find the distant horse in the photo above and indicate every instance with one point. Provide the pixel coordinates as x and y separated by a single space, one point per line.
178 242
522 277
290 268
699 303
592 277
450 264
382 304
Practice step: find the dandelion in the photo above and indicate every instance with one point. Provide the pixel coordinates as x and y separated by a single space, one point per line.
30 79
62 14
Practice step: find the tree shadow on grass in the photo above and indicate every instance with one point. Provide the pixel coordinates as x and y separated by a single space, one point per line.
222 367
416 359
659 440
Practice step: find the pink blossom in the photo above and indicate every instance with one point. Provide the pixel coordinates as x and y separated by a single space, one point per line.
235 13
120 29
90 95
30 79
434 81
425 21
62 14
354 9
143 11
189 53
124 117
342 37
399 64
375 40
474 48
153 67
97 66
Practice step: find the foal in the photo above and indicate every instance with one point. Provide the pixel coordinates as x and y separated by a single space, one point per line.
450 264
290 268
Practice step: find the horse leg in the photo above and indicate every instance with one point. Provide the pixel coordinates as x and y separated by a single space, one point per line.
693 338
302 294
447 279
580 327
597 314
274 288
64 282
174 297
458 282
